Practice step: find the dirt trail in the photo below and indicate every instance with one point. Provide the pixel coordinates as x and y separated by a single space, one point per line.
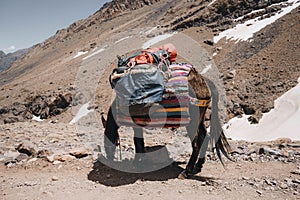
55 171
78 180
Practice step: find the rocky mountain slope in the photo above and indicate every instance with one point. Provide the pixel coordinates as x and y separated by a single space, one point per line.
254 73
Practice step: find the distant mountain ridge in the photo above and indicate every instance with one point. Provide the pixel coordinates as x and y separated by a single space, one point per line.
6 60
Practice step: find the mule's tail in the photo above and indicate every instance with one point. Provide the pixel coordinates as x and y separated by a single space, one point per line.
216 132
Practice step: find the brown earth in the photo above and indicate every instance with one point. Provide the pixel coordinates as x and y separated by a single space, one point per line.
262 170
73 180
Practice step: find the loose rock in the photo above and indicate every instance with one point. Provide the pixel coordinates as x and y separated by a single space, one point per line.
79 152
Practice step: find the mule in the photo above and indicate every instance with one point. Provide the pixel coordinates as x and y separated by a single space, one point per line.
201 89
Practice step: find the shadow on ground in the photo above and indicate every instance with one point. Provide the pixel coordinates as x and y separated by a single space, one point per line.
118 173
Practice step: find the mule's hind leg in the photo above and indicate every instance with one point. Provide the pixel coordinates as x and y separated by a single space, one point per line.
190 166
111 135
197 133
139 143
203 143
192 130
199 145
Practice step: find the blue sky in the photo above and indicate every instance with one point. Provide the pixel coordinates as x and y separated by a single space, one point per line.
24 23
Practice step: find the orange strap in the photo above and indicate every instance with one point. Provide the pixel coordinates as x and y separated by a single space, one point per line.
199 102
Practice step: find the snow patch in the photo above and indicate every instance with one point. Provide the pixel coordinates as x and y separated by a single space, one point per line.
83 111
35 118
93 54
124 38
157 39
280 122
151 30
208 67
80 53
246 30
253 12
212 3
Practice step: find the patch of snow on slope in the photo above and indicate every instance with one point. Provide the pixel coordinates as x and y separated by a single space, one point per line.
151 30
280 122
206 69
38 119
93 54
246 30
253 12
157 39
124 38
83 111
80 53
213 1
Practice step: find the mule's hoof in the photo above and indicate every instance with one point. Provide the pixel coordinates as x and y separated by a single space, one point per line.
110 157
197 170
183 175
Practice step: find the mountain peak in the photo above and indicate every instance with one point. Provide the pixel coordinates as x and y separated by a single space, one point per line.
2 54
116 7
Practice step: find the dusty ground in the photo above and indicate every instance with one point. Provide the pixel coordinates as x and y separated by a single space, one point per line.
51 172
77 180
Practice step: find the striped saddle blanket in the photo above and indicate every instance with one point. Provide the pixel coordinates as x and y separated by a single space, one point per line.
172 111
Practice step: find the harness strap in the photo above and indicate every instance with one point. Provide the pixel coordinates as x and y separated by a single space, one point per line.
199 102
